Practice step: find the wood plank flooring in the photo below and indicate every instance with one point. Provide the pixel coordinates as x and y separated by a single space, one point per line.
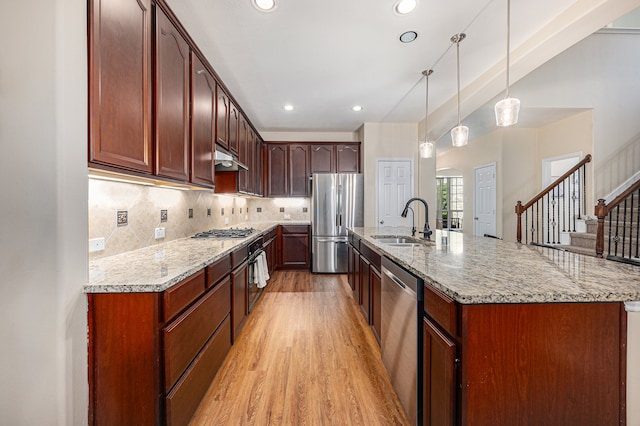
305 357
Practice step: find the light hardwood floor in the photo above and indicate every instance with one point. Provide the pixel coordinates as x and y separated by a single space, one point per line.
305 357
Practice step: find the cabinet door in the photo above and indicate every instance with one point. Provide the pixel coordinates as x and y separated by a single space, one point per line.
348 158
120 81
365 288
299 170
239 311
375 281
350 266
203 95
258 165
222 117
323 159
277 171
234 118
172 100
356 275
295 247
439 377
243 175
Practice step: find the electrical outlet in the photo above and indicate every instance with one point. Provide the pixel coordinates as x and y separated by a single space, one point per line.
190 213
164 215
246 217
226 220
96 244
159 233
287 216
159 255
208 212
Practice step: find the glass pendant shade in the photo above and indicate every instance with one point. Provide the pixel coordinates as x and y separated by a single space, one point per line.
507 111
459 136
426 149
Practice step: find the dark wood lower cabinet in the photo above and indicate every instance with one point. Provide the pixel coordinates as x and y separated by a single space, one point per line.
534 364
148 365
240 301
295 245
439 377
365 288
375 280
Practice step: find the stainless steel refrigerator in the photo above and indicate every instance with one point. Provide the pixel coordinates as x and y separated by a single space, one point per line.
337 202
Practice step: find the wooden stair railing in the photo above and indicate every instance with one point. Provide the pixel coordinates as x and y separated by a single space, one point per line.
624 236
565 200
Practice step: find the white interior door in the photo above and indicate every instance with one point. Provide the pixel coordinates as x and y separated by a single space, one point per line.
485 200
394 188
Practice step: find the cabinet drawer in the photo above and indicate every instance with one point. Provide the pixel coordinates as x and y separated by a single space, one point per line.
184 337
217 270
295 229
239 255
441 308
184 398
181 295
271 234
372 255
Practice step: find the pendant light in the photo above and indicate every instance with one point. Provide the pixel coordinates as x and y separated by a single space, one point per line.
459 134
426 147
508 108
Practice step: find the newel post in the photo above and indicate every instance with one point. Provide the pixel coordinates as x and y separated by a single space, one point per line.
601 213
519 225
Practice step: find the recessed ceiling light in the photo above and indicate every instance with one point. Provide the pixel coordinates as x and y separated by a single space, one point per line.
403 7
288 107
264 5
408 36
357 108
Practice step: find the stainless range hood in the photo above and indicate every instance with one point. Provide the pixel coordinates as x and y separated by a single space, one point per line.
225 162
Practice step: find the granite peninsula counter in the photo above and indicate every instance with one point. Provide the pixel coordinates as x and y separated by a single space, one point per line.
475 270
159 267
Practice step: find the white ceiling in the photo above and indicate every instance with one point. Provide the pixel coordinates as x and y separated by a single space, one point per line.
323 57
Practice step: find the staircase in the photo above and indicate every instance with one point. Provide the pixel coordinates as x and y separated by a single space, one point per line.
583 242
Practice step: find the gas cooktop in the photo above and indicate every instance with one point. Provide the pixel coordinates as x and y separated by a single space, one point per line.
225 233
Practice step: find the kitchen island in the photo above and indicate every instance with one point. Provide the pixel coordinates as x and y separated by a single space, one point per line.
515 334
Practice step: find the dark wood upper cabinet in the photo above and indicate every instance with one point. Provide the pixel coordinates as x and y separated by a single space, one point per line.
243 155
222 120
258 164
172 100
323 158
347 158
234 118
299 170
203 95
277 182
120 80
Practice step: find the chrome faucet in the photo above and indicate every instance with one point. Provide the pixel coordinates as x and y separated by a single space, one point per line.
426 232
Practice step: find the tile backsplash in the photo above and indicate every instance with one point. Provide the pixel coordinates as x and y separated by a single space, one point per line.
150 207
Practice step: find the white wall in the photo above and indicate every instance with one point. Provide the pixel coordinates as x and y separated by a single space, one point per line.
395 140
600 73
44 213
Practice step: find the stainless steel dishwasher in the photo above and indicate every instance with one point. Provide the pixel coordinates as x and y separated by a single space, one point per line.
402 311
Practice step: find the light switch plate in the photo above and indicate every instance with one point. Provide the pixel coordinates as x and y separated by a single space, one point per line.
159 233
96 244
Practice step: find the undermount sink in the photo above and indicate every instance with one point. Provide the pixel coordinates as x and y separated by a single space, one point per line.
400 241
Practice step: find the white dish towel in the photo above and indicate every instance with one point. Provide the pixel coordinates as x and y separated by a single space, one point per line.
261 271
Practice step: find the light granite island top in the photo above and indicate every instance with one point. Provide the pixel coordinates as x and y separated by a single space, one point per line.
158 267
476 270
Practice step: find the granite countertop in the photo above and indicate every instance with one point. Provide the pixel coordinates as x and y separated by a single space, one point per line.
158 267
476 270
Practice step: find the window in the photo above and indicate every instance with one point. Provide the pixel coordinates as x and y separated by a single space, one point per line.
450 202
